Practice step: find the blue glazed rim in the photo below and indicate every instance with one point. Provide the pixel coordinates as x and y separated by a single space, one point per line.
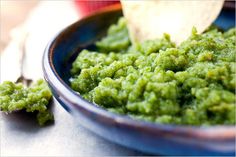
62 90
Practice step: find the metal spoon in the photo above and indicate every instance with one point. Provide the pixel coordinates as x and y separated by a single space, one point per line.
23 79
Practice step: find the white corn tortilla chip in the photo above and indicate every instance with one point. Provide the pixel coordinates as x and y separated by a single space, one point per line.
149 19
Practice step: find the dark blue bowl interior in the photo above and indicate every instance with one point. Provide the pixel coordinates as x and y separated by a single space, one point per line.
226 19
82 38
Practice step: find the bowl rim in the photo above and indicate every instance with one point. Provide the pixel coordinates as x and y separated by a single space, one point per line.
216 132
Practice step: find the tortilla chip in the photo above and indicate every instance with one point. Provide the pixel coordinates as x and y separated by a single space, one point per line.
149 19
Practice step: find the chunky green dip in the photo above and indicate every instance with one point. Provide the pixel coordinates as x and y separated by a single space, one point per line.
15 97
157 81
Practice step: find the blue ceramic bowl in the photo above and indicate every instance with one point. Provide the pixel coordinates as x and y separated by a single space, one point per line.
139 135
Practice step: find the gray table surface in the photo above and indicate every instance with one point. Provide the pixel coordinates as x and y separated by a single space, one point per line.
21 136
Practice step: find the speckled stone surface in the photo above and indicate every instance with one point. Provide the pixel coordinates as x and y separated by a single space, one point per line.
21 136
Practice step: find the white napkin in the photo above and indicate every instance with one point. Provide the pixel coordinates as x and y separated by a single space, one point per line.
42 24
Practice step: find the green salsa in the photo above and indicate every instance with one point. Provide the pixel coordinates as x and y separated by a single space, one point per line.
157 81
15 97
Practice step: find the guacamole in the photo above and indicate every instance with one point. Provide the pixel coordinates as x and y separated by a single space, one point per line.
15 97
157 81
